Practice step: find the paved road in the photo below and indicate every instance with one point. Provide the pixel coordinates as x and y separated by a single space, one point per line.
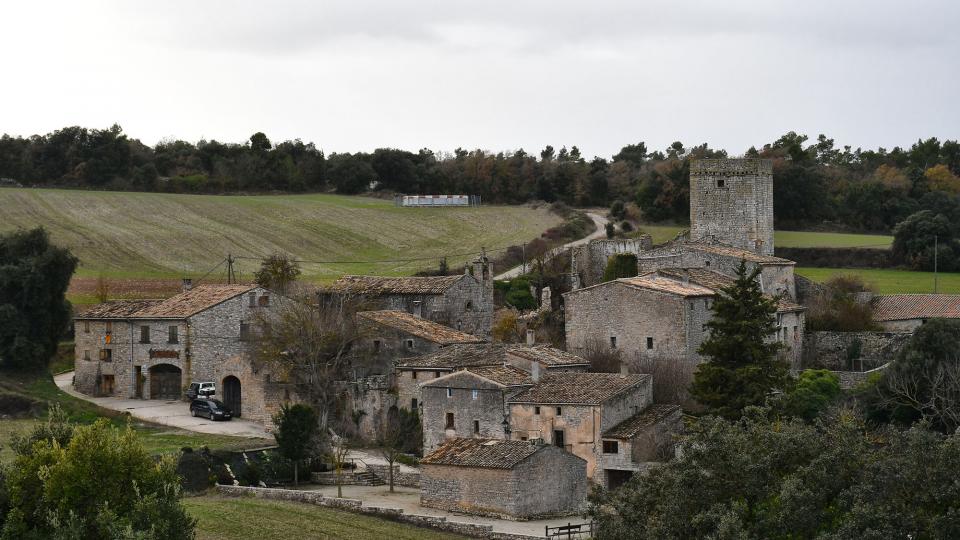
167 413
599 220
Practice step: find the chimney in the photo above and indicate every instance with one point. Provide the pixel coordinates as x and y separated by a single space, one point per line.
535 372
685 275
418 308
531 337
187 284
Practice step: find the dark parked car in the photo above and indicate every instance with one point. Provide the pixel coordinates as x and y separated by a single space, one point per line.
211 408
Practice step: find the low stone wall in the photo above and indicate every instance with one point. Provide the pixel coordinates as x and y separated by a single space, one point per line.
347 478
851 351
405 479
356 506
852 379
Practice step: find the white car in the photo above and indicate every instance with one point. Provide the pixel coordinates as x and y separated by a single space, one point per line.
201 390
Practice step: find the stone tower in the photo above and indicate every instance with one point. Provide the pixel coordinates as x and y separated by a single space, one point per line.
731 200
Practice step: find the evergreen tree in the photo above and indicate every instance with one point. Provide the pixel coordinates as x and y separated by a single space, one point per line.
296 434
743 366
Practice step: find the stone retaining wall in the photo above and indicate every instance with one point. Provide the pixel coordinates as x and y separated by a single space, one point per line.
852 379
356 506
405 479
851 351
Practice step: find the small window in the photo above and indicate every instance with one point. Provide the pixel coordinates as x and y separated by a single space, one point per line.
436 374
409 343
649 342
108 327
449 421
469 305
536 410
559 411
86 355
611 447
253 299
265 301
172 336
720 182
476 427
523 437
376 345
474 394
86 326
413 404
449 392
707 264
613 342
413 375
244 331
106 355
144 334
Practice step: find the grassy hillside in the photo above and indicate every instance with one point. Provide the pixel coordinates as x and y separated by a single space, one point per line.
662 233
222 518
891 281
154 235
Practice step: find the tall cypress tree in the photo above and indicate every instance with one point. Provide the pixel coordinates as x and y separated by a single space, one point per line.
743 366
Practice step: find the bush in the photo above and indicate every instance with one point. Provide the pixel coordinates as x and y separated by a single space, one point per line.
516 293
839 309
811 394
621 265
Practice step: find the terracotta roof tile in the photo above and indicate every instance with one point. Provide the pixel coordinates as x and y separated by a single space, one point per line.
654 414
380 285
666 285
457 356
116 309
548 356
899 307
418 326
578 388
485 453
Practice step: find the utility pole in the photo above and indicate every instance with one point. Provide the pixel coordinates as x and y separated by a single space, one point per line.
231 276
935 250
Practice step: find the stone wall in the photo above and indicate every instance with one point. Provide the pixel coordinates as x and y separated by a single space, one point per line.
472 400
404 479
356 506
394 345
852 379
839 350
408 383
732 200
370 399
589 261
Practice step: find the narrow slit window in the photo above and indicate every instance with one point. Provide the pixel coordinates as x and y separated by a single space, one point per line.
449 421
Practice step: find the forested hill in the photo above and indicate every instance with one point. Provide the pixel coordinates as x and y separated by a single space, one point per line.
815 182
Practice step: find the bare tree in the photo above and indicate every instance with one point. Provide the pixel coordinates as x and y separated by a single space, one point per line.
102 291
310 346
339 450
603 357
931 389
277 272
671 377
390 442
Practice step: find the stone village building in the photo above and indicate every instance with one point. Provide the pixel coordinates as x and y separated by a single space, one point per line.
503 478
907 312
463 302
154 349
662 315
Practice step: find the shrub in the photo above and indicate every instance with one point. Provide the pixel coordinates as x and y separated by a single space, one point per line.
621 265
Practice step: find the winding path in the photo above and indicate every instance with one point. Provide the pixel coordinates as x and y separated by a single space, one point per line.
599 220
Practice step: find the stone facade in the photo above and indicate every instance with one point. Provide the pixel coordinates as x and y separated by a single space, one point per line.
732 200
852 351
548 483
156 351
589 261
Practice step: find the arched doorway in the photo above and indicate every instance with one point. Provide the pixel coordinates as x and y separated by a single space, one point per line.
165 382
231 394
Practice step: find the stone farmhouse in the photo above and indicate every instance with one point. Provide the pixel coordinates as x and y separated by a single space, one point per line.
463 302
471 402
412 373
154 349
907 312
505 479
390 335
574 410
662 315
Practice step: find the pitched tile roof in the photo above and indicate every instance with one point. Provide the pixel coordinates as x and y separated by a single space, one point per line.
418 326
899 307
730 251
506 375
457 356
715 280
654 414
485 453
578 388
379 285
666 285
193 301
116 309
548 356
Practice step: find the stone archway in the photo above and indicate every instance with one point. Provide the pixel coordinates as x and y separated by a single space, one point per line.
165 382
231 394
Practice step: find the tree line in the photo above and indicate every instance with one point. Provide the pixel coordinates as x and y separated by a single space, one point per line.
816 183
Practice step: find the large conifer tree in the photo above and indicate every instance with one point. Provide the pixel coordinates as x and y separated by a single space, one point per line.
743 366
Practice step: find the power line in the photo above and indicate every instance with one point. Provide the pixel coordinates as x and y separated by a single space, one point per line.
417 259
211 271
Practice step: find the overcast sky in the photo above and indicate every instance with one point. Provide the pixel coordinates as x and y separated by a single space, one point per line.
496 75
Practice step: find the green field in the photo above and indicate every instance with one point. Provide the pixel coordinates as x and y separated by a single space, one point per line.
891 281
155 235
663 233
223 518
